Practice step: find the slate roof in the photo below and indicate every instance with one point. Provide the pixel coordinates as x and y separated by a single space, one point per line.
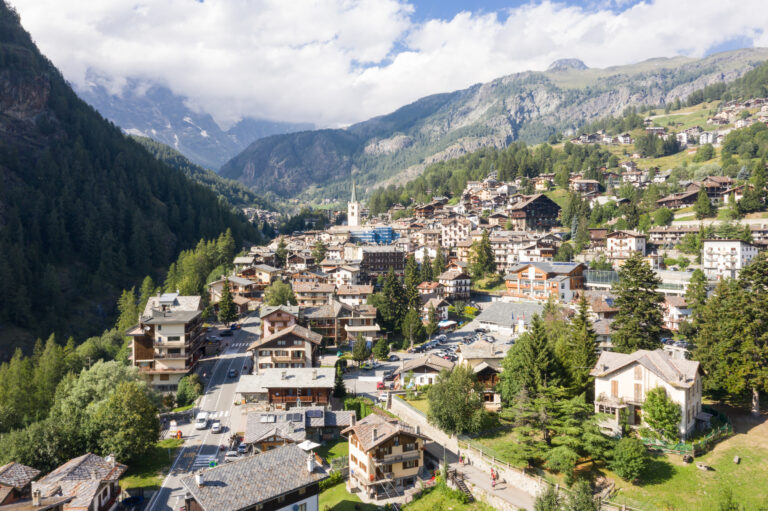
253 480
295 377
677 372
267 268
676 301
482 349
80 477
187 303
558 268
355 290
266 310
171 317
433 362
507 314
16 475
453 275
313 287
260 425
385 429
297 330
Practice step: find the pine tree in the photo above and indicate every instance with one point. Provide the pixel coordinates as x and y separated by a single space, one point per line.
581 349
426 268
530 363
413 328
319 251
281 253
227 310
147 290
438 265
639 322
482 260
431 327
702 207
394 303
381 349
129 312
696 294
360 351
412 280
49 368
339 389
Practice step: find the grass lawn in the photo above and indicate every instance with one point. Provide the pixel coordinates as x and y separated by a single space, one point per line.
421 404
492 283
183 408
439 499
670 484
559 196
149 472
334 449
338 498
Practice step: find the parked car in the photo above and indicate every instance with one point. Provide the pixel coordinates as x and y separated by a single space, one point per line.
214 338
226 333
216 427
380 385
481 330
234 326
232 373
242 448
231 456
394 358
389 375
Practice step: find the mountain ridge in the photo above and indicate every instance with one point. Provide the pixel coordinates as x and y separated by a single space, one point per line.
528 106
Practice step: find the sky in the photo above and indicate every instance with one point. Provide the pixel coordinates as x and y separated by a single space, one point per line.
336 62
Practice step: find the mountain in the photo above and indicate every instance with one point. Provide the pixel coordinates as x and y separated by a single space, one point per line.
154 111
84 210
527 106
236 193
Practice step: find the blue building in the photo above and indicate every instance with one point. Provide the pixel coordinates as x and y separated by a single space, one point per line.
383 235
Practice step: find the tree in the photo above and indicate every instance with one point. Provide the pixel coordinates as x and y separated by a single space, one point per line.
529 364
482 260
638 323
630 458
339 389
704 153
427 274
190 387
281 253
279 293
381 349
663 216
455 401
564 253
227 310
702 207
581 349
548 500
581 498
413 328
393 305
319 251
49 368
129 312
360 351
662 414
696 294
438 265
127 422
431 327
412 280
147 290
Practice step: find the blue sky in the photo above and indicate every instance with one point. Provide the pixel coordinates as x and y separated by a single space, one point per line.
335 62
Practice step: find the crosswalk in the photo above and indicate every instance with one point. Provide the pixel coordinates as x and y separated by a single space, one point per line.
218 415
239 345
203 460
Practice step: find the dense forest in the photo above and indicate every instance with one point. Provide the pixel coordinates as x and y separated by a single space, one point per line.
84 211
235 192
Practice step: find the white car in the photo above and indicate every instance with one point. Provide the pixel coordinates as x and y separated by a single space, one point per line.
201 421
216 427
231 456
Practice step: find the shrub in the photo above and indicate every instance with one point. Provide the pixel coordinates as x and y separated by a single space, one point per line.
334 479
630 458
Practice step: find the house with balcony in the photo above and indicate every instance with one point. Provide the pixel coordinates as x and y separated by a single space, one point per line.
294 346
354 294
723 258
535 213
312 295
487 374
244 292
623 380
620 245
439 304
584 186
168 340
267 430
385 456
282 389
16 482
455 284
284 479
539 281
425 370
277 317
344 275
338 322
262 274
86 482
676 311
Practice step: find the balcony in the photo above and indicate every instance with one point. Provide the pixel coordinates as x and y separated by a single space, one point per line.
288 358
397 458
299 399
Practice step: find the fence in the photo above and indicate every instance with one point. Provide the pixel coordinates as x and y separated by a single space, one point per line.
699 446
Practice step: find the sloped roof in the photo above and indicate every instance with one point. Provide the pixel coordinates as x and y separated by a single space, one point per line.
266 310
295 377
363 289
558 268
180 303
433 362
385 428
80 477
297 330
253 479
508 313
16 475
482 349
676 372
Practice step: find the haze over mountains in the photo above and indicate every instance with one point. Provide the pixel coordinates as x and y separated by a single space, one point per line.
527 106
153 111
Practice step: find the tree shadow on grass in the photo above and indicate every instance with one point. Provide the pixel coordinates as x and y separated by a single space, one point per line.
658 471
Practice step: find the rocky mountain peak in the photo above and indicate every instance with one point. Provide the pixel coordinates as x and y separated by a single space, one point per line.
566 64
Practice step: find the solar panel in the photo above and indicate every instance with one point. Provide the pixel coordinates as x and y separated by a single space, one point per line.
314 414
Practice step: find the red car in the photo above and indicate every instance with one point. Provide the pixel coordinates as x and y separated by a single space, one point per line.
380 386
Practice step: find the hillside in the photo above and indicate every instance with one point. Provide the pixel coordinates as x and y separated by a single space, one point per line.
84 211
526 106
155 112
236 193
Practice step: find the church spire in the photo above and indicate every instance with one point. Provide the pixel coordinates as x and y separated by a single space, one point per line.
354 194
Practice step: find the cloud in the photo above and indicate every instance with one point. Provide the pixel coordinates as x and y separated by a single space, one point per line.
334 62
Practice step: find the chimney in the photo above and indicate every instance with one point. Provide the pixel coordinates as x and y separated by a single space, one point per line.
353 419
36 497
418 429
284 375
374 434
111 460
199 479
314 374
310 463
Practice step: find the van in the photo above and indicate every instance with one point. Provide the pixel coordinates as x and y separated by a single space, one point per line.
201 421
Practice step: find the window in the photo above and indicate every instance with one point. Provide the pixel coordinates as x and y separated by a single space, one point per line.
159 327
411 464
298 342
282 343
173 338
614 388
638 372
301 507
409 447
164 377
638 392
264 353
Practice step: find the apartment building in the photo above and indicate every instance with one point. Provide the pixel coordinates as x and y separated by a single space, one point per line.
294 346
282 389
168 340
338 322
539 281
354 295
384 455
313 294
455 283
726 258
676 311
377 261
454 230
620 245
275 318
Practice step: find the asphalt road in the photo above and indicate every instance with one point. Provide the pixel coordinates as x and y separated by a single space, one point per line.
202 446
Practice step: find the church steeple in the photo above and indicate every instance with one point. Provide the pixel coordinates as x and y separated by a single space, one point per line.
354 194
353 209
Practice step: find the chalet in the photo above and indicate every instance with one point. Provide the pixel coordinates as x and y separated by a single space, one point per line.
243 262
299 262
262 274
455 284
424 370
539 281
537 212
16 482
265 431
294 346
308 277
508 318
275 318
598 237
168 341
620 245
678 200
284 479
676 311
430 288
243 291
439 304
454 230
625 139
584 186
622 381
383 454
287 388
487 374
354 295
92 483
339 322
311 295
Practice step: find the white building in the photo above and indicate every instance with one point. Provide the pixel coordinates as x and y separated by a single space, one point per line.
622 382
353 209
726 258
620 245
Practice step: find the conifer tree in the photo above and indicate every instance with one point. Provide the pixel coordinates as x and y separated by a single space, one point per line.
696 294
339 389
529 364
412 328
146 291
411 281
227 310
438 265
394 304
581 349
702 207
381 349
431 327
638 323
427 274
129 312
281 253
482 260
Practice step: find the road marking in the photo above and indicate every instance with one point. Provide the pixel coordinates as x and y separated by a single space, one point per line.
203 460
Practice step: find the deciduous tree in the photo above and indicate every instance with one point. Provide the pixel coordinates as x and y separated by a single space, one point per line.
455 401
630 458
279 293
662 414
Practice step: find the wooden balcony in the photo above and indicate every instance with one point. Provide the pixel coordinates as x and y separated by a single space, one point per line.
397 458
299 399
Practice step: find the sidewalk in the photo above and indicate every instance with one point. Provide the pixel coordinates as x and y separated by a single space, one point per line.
476 477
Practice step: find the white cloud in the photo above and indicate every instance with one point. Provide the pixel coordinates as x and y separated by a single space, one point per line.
334 62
